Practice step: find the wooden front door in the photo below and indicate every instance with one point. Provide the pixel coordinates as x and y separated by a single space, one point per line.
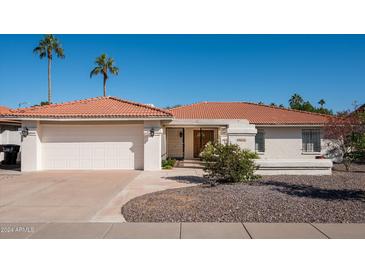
201 138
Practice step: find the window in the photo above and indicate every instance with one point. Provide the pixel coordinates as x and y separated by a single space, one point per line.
311 140
260 141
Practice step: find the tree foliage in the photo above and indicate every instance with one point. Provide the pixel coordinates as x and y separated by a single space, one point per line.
173 106
104 65
298 103
46 47
346 133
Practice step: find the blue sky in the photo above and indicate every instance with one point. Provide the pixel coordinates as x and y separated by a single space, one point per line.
181 69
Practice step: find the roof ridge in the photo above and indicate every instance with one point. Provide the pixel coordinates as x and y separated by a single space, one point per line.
289 109
140 104
192 104
92 99
59 104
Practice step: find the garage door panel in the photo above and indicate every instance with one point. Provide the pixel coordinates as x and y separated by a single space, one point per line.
92 147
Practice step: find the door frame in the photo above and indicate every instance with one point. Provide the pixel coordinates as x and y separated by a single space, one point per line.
196 155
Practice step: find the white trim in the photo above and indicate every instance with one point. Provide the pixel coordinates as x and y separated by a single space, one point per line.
291 125
311 153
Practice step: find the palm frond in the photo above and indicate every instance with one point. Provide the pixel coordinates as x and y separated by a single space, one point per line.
95 71
48 44
60 52
110 62
101 60
114 70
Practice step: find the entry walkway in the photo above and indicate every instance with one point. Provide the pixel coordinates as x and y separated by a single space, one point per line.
181 231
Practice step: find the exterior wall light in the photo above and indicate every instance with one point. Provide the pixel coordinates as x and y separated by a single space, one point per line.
152 132
24 132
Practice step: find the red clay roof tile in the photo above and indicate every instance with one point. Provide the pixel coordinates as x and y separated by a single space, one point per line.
98 107
254 113
4 109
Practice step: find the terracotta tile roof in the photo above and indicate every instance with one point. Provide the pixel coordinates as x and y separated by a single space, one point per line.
254 113
98 107
4 109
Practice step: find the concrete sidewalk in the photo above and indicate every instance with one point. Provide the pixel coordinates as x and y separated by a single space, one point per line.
181 231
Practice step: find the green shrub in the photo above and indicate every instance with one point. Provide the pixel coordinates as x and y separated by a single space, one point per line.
168 163
228 163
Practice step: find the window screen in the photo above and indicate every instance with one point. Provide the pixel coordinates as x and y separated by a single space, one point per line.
311 140
260 141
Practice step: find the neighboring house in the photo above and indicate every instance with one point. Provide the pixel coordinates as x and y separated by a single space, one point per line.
110 133
8 132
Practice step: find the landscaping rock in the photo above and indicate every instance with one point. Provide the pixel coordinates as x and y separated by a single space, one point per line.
339 198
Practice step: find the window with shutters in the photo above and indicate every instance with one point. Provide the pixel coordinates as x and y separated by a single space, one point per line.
311 140
260 141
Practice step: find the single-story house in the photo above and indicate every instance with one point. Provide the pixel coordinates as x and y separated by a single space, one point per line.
111 133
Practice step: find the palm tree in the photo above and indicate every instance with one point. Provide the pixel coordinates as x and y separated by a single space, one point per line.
296 101
322 102
103 65
45 48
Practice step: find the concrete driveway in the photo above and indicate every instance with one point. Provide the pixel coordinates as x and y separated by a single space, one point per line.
72 196
79 196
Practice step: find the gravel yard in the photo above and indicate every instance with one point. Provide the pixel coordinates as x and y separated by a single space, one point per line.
339 198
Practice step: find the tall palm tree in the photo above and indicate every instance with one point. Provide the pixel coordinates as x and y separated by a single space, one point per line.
296 101
103 65
321 103
45 48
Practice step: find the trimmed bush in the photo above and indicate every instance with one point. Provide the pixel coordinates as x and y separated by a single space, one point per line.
168 163
228 163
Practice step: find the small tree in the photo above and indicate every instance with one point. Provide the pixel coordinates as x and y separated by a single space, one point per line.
346 133
228 163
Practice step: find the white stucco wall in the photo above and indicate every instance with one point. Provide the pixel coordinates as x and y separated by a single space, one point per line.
286 143
175 145
242 133
31 147
164 144
152 145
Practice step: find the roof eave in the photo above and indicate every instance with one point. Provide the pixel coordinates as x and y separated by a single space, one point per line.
49 118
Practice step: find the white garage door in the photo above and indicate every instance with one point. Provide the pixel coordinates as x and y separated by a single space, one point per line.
92 146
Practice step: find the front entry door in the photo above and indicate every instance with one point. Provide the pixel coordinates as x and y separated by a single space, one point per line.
201 138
